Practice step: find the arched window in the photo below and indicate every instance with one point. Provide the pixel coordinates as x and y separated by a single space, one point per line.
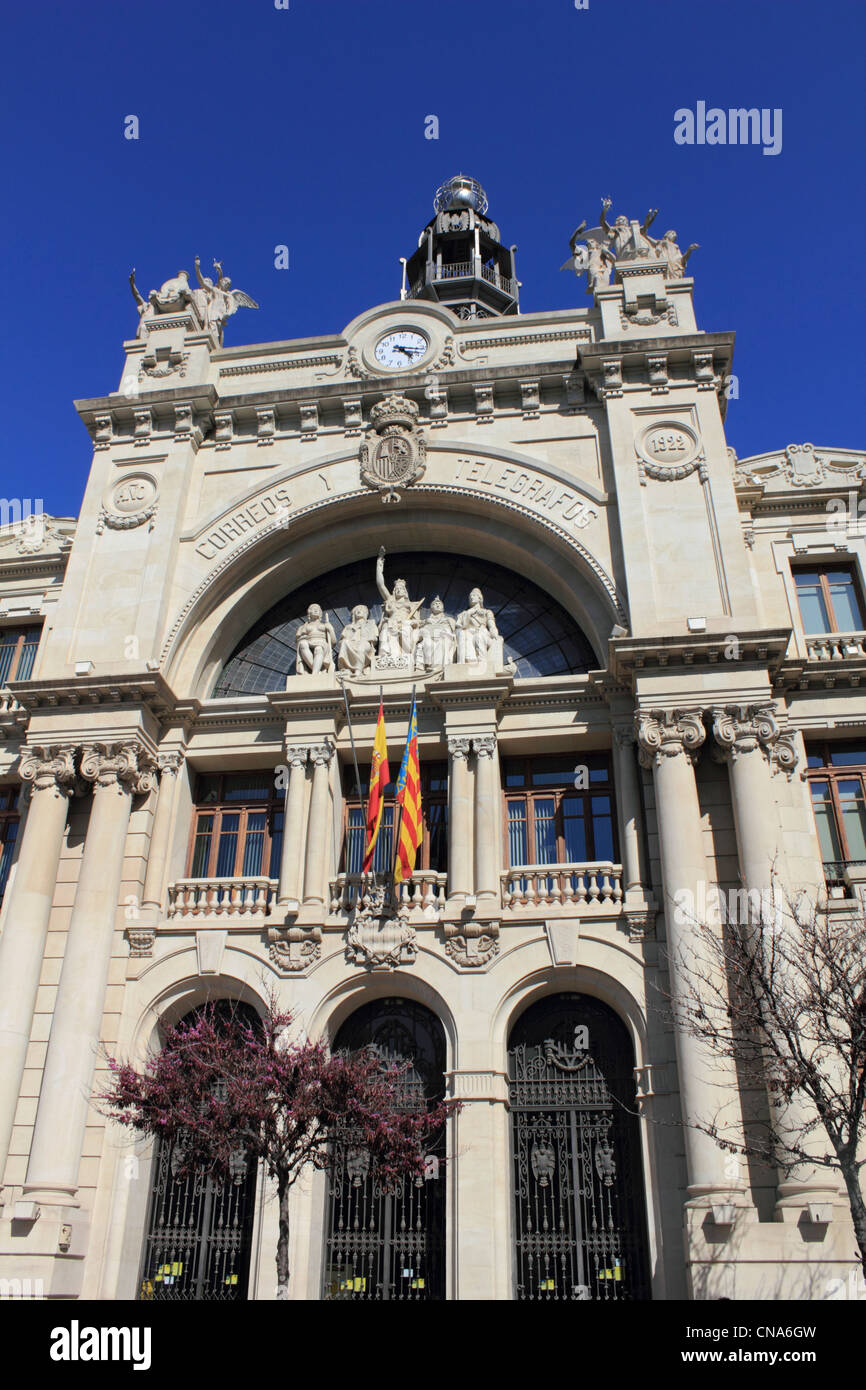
538 635
578 1189
389 1245
199 1232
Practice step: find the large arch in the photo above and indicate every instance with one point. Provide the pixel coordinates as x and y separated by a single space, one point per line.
238 591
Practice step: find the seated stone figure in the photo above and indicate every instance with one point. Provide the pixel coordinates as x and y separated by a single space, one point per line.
315 640
357 642
476 630
437 638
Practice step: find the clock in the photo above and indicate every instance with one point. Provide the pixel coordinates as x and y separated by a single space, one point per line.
402 348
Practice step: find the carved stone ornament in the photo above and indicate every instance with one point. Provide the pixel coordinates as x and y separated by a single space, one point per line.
472 945
743 728
394 455
49 767
125 764
378 936
128 503
293 949
667 733
141 941
667 450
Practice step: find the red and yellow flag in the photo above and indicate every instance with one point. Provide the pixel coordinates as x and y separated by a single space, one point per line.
409 798
379 779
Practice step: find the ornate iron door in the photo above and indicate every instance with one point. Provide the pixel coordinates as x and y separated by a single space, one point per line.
199 1234
579 1229
389 1245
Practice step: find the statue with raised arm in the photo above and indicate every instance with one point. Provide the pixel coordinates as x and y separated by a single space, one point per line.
220 300
357 642
667 250
398 628
619 235
141 304
437 639
476 630
315 640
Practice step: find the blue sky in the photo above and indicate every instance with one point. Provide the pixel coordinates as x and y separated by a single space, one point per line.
305 127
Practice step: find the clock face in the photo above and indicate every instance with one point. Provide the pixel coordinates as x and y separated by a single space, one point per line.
402 348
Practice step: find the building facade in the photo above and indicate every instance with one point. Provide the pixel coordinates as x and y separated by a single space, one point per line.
641 680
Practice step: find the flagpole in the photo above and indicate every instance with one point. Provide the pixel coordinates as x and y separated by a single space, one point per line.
400 817
357 774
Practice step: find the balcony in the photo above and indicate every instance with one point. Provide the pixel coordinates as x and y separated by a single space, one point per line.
845 878
836 646
221 897
426 890
582 888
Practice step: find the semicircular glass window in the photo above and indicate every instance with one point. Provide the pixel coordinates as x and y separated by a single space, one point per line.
539 636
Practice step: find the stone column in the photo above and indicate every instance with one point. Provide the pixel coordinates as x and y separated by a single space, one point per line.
154 879
669 741
319 825
482 1185
752 743
52 1172
488 831
630 812
459 820
51 770
288 896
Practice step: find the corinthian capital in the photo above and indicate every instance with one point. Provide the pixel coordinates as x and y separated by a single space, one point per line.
665 733
743 728
127 765
49 766
321 754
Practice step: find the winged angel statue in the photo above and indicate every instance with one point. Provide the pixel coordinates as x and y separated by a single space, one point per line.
220 300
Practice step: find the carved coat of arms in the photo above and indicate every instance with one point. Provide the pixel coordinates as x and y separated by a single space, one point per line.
395 453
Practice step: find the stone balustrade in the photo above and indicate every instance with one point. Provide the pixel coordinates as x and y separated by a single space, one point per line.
836 646
221 897
426 889
579 887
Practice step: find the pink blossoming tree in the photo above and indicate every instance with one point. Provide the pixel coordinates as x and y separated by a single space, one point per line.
215 1090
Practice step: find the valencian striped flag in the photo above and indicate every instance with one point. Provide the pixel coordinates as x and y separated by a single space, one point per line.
379 779
409 798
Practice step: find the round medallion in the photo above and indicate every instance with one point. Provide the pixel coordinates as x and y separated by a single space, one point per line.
669 443
129 502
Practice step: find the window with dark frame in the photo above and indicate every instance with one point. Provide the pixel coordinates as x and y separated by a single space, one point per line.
549 820
237 829
837 782
17 652
433 850
829 599
9 822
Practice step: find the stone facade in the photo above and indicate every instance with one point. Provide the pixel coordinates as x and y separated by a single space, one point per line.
583 449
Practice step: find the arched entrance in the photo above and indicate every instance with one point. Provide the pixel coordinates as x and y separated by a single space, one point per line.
381 1246
199 1233
579 1218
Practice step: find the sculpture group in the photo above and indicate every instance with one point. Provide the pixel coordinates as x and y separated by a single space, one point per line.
626 241
403 639
213 302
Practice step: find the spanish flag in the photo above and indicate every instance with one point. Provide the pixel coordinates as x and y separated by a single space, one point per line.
409 798
379 779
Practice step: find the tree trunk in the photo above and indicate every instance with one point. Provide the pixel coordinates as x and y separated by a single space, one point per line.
858 1207
283 1241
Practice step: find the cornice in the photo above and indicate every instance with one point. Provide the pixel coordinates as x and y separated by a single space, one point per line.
629 654
149 690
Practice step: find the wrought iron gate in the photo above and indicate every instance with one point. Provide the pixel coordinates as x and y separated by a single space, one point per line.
579 1225
199 1233
389 1245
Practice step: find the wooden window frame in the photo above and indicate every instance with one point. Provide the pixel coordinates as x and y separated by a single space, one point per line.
428 798
822 569
274 804
831 774
24 632
528 794
8 816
